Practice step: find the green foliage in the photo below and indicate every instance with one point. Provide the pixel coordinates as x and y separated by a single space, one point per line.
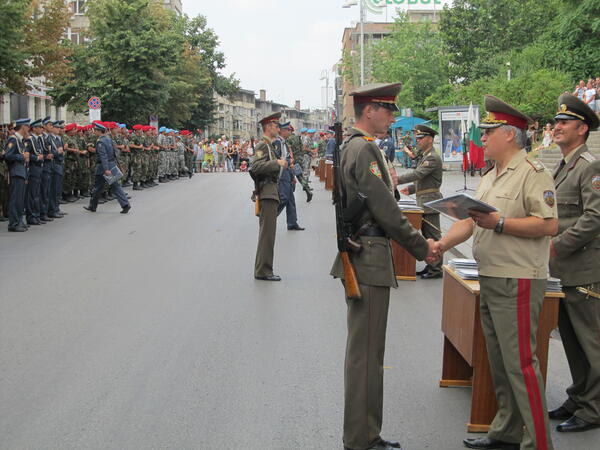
31 42
574 39
478 33
535 93
412 54
142 60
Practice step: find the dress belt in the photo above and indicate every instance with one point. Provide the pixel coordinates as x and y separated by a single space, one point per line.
373 231
428 191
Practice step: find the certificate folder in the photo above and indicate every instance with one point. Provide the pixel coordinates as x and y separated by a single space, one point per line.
459 205
115 175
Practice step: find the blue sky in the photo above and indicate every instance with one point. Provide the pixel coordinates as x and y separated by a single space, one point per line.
282 46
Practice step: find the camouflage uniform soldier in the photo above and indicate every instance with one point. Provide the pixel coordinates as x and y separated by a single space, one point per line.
154 155
90 143
294 143
136 146
124 157
161 142
150 156
71 163
82 175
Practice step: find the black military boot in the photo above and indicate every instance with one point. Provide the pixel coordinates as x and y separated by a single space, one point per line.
84 193
136 186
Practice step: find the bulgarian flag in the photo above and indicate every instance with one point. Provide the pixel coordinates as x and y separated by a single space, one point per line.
475 146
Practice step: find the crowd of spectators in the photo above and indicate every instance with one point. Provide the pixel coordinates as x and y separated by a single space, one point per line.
222 155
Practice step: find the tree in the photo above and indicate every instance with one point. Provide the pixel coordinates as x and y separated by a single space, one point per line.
31 42
412 54
132 47
478 33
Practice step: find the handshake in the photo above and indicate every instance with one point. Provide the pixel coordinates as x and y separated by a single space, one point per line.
436 251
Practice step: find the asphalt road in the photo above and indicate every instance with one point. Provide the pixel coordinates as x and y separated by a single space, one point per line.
148 331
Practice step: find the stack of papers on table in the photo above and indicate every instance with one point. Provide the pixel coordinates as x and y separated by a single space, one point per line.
408 204
465 268
554 285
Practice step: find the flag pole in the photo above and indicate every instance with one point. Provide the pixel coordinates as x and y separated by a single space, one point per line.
464 145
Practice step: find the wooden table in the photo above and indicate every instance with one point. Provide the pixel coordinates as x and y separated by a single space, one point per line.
465 360
405 264
321 169
329 175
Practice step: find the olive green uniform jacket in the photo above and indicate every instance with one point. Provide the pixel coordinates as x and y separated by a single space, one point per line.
427 179
266 169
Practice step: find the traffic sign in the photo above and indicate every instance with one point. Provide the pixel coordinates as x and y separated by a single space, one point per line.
94 103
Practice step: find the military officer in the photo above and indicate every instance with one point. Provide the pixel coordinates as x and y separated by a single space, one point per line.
574 257
511 247
364 171
427 178
265 172
287 180
56 145
17 157
46 171
34 145
106 160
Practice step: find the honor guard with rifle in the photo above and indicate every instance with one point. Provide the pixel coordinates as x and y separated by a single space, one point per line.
574 258
17 158
367 216
265 173
427 180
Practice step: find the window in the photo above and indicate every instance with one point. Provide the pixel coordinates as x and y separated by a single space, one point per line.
77 7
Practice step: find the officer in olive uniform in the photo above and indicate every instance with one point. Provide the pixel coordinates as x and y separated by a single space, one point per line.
427 179
364 171
511 247
17 159
265 171
575 259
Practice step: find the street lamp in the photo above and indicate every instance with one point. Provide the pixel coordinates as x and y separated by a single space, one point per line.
361 3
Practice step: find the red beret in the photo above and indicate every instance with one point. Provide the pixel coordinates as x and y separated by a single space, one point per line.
137 127
70 126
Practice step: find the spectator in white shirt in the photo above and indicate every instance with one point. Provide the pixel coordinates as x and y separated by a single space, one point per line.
590 95
579 91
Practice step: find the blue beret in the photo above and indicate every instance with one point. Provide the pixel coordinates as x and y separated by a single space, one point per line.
36 123
161 129
122 125
99 126
312 130
24 121
302 130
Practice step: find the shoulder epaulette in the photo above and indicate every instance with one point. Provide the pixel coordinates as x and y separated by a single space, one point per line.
536 164
369 139
588 157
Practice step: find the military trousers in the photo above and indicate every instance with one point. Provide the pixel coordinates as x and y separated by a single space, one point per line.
363 367
136 166
287 201
4 192
33 203
430 229
115 189
263 264
306 161
510 310
56 186
579 325
45 192
16 203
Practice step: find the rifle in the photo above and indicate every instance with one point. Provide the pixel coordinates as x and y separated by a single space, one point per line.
256 192
343 227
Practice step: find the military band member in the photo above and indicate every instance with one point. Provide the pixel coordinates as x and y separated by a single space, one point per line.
364 171
106 160
427 178
17 157
511 247
265 168
35 146
574 258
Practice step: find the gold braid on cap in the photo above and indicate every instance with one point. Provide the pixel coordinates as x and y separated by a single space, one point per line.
491 118
377 100
564 110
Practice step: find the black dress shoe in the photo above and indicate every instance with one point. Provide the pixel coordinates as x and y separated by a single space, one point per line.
431 275
381 445
125 209
309 196
576 424
424 271
269 278
42 221
34 222
297 228
393 444
18 229
46 218
89 208
559 413
489 443
55 216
